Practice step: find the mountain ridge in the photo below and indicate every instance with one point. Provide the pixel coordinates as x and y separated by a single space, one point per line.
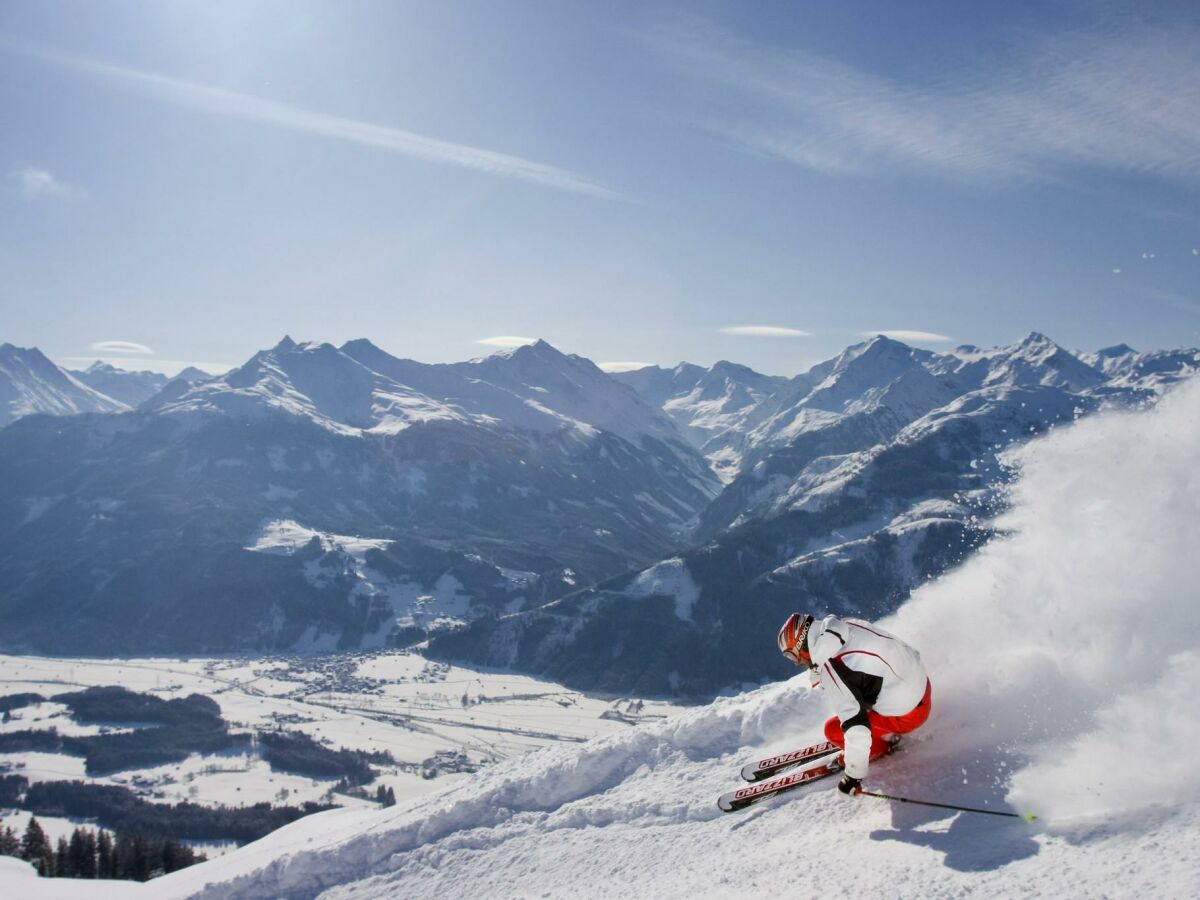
145 519
854 500
524 509
30 383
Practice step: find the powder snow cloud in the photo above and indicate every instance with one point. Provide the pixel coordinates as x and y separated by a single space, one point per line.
1072 638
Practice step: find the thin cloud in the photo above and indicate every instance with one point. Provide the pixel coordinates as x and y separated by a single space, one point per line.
233 104
622 366
1175 300
120 348
506 340
764 331
37 182
1124 102
912 337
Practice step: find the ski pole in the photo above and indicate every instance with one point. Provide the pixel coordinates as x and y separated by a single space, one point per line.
1028 817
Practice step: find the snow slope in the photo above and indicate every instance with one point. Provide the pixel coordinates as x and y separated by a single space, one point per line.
1056 653
707 404
318 382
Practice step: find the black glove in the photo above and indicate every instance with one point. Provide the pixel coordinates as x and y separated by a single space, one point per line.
850 786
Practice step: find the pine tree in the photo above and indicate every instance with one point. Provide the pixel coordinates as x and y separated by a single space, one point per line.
88 855
10 844
135 861
155 864
385 796
106 865
35 848
177 856
62 860
82 854
75 852
123 856
33 843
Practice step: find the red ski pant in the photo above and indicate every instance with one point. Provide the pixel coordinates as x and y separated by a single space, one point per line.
884 725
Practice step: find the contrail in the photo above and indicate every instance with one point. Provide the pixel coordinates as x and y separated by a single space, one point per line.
223 102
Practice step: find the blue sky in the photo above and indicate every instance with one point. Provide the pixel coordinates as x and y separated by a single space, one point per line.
634 182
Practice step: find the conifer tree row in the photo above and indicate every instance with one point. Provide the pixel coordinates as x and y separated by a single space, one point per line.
97 854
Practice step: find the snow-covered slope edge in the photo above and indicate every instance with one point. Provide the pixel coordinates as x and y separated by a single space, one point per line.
1056 653
563 788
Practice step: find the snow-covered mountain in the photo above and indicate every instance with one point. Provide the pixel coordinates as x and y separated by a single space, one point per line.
316 382
737 416
879 383
882 395
131 388
1035 360
571 387
359 389
1127 368
708 404
437 495
30 383
862 479
1061 649
474 489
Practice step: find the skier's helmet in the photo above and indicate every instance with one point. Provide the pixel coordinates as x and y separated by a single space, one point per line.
793 639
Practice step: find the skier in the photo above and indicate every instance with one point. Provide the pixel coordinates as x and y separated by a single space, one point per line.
878 685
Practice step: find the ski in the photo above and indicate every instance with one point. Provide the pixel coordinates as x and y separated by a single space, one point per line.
743 797
820 765
765 768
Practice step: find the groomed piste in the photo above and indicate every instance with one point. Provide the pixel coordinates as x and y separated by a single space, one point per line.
1064 660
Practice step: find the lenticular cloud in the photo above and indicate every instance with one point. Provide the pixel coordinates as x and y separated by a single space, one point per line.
1073 639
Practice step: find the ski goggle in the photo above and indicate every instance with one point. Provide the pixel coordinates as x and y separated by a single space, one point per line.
792 639
796 655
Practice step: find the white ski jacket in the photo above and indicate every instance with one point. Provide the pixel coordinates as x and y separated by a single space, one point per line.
861 667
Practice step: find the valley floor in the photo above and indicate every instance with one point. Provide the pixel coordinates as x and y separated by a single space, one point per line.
438 722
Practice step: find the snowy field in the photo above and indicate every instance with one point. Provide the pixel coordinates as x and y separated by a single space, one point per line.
1063 657
438 722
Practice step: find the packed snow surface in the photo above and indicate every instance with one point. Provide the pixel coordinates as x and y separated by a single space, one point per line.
1063 658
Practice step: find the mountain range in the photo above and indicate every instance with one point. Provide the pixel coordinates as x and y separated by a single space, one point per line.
30 384
632 532
846 487
307 499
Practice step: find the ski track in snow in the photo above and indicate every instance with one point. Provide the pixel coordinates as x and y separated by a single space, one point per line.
1057 653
